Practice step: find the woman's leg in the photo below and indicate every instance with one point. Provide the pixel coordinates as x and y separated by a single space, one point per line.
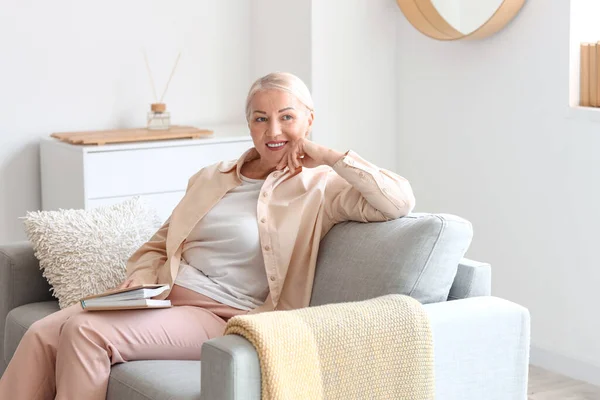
30 373
91 342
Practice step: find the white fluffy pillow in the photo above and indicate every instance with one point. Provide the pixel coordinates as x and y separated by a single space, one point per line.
84 252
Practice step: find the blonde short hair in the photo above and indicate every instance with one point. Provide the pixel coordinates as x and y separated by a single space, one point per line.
281 81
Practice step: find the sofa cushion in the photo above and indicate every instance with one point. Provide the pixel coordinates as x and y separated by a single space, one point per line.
155 380
416 255
19 319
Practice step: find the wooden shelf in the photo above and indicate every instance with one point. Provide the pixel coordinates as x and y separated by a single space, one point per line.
132 135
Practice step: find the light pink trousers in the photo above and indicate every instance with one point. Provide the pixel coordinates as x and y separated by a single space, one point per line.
68 354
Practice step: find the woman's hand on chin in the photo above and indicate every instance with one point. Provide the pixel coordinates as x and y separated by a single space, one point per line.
306 153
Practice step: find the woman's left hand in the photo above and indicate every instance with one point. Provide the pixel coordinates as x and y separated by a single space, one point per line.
306 153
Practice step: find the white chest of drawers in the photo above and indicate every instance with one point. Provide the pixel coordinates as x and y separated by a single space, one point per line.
88 176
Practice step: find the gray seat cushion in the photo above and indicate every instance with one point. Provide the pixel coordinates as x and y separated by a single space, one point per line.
135 380
417 255
155 380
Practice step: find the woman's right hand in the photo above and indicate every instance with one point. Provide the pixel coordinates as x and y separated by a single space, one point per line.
128 282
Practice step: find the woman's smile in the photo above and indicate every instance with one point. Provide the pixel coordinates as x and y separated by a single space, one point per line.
276 146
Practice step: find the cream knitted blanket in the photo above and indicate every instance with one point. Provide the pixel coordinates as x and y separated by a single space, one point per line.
380 348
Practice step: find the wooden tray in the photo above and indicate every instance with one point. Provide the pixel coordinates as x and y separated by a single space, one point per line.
132 135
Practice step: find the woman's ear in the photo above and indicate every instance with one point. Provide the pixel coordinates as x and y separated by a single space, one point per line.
311 118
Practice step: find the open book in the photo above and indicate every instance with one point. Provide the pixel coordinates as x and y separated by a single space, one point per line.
139 296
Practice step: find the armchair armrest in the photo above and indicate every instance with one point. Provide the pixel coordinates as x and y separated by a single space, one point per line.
473 279
21 282
481 350
230 369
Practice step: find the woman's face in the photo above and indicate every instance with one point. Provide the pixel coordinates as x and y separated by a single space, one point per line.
276 118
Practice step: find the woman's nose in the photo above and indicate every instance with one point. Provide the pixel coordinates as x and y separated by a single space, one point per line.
274 127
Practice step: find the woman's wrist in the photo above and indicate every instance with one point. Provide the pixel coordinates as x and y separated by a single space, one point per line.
332 157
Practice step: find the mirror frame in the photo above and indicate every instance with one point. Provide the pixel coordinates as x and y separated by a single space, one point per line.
423 15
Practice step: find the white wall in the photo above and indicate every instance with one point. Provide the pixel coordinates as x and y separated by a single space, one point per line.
484 134
280 33
354 77
73 65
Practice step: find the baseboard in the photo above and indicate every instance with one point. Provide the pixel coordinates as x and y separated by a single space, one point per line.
564 365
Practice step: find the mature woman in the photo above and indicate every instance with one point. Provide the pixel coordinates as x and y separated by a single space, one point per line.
244 239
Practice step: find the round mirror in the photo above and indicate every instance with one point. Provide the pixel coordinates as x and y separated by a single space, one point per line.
459 19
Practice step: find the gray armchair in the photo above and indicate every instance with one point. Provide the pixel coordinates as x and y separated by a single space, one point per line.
481 343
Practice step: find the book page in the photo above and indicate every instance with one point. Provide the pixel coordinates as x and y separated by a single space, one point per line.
129 289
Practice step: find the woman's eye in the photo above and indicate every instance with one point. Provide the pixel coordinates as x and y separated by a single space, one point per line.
260 119
287 117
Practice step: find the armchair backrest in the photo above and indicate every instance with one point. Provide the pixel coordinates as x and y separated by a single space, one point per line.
417 255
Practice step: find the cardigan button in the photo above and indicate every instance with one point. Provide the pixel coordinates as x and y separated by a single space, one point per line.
263 220
272 277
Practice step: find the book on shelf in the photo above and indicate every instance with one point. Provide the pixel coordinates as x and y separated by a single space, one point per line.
593 75
584 76
596 73
134 297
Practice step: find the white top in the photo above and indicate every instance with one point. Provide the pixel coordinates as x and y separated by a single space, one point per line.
222 257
